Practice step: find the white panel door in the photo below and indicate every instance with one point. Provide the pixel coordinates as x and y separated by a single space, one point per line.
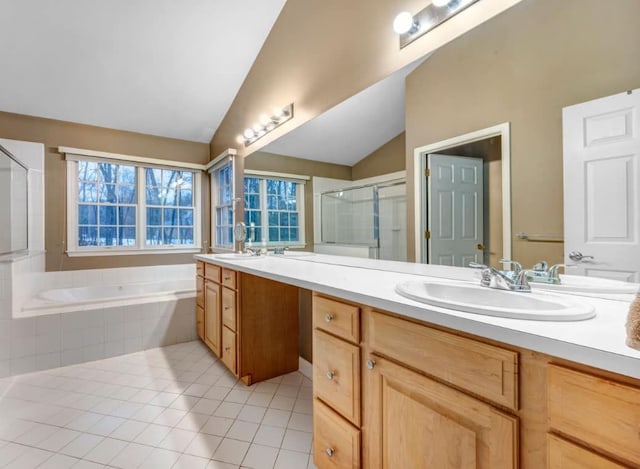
455 210
601 141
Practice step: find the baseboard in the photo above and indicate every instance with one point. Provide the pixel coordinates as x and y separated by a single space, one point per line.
305 368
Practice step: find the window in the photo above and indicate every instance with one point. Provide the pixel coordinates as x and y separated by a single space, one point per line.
131 208
222 202
274 210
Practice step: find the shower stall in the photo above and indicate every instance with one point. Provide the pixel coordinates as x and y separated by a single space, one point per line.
13 204
372 217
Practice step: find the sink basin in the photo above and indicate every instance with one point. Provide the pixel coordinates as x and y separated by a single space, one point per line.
491 302
594 285
237 256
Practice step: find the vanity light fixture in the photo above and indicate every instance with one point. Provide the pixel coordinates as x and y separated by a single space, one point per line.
411 27
266 124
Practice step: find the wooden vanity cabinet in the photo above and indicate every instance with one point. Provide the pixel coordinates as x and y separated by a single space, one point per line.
200 299
336 383
415 421
212 316
250 323
390 393
600 414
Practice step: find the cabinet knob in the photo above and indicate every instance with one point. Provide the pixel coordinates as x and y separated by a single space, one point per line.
330 374
371 364
329 452
226 349
328 318
226 308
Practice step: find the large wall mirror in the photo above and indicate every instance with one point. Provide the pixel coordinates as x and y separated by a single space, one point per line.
13 204
521 68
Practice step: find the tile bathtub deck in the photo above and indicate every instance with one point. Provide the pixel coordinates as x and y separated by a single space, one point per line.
170 407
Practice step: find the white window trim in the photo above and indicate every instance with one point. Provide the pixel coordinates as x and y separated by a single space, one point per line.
73 250
301 181
226 158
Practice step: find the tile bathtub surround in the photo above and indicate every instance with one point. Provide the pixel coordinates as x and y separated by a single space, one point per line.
44 342
173 407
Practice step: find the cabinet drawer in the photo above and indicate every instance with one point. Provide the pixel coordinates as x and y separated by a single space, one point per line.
229 278
229 308
482 369
229 349
200 268
562 454
336 443
336 374
338 318
602 413
212 272
200 322
200 291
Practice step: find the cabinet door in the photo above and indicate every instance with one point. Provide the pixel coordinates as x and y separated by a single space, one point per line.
414 421
229 349
212 317
200 322
565 455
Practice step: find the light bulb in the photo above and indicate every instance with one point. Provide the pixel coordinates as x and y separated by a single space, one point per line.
240 138
278 114
403 22
248 133
265 120
440 3
257 128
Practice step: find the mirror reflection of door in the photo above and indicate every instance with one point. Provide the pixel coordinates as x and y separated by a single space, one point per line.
455 210
601 193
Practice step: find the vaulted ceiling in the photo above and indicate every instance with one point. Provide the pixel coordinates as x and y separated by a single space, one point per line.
160 67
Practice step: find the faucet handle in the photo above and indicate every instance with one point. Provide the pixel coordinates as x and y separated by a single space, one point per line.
517 267
541 266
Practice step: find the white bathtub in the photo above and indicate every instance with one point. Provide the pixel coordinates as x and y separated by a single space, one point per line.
60 300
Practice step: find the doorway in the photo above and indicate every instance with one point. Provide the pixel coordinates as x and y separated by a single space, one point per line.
492 147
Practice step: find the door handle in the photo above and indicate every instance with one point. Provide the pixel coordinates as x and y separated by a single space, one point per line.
480 247
577 256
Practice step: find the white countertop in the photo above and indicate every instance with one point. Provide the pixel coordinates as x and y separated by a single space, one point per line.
598 342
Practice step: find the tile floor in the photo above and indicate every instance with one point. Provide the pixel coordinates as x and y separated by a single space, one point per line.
170 407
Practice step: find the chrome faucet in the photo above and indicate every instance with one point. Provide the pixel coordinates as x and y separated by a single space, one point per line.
494 278
280 251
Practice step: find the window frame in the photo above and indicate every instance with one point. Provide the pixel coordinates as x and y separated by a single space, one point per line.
264 215
215 171
72 179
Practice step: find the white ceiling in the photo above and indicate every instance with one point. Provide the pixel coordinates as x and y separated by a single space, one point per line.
160 67
353 129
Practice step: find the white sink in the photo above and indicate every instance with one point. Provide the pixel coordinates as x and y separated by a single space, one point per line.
491 302
236 256
594 285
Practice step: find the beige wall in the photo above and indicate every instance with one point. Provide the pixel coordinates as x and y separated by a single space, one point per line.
523 67
388 158
321 52
57 133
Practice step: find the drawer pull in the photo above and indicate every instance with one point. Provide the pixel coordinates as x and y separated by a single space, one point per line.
371 364
330 374
227 307
328 318
329 452
226 349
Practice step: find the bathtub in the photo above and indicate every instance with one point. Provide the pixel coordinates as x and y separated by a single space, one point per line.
60 300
